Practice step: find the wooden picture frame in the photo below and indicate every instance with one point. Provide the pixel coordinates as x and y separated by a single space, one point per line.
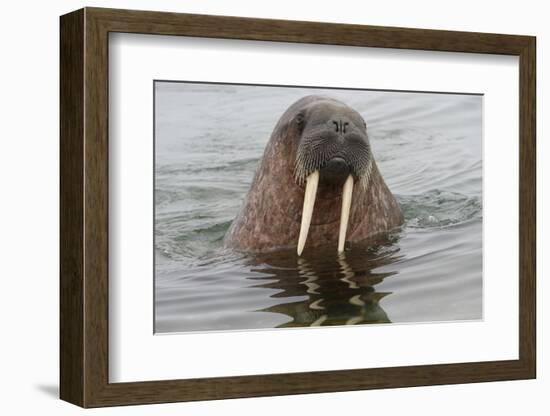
84 207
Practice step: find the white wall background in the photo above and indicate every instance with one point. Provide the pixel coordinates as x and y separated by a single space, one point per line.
29 206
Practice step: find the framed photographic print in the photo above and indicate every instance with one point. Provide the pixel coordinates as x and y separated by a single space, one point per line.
255 207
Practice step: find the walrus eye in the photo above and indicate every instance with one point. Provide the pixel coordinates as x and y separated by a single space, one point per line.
300 118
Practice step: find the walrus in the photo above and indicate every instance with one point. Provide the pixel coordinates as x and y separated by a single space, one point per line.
316 184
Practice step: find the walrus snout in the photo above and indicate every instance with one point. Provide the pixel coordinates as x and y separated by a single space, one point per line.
334 146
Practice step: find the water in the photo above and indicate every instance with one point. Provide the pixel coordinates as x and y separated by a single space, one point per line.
209 139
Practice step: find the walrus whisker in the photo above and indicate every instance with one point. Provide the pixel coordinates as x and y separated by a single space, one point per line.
365 178
315 152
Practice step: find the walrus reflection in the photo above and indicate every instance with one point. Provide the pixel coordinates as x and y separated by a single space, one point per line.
330 289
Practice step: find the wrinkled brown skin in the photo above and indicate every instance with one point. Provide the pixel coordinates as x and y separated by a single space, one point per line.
270 216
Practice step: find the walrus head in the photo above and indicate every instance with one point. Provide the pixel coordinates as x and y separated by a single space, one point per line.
317 180
334 141
333 151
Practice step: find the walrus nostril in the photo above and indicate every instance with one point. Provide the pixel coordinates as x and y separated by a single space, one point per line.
340 126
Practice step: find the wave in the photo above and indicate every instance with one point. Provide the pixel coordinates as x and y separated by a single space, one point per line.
438 208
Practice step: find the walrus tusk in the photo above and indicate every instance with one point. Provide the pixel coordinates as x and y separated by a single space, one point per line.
307 211
344 217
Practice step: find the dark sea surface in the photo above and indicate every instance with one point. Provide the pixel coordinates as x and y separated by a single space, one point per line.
208 141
